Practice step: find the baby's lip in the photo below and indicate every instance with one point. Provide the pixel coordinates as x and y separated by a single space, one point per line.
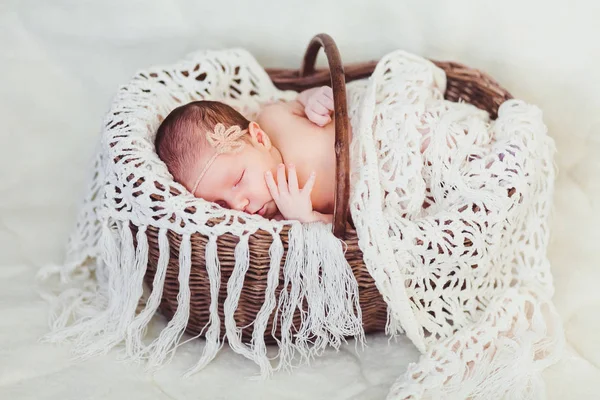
262 210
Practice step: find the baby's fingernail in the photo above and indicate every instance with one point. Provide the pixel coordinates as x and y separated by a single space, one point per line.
268 173
290 165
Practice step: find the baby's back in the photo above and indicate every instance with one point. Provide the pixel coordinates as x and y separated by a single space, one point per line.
306 145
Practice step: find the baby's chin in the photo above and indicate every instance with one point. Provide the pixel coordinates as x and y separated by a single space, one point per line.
277 217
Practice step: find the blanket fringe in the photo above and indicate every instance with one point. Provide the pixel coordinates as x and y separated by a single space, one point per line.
134 346
170 336
102 310
213 340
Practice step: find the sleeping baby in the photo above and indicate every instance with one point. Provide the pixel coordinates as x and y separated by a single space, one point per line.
281 166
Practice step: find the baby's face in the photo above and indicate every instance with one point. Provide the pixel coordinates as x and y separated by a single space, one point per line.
237 181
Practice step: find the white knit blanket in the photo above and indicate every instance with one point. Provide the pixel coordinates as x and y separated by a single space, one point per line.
451 211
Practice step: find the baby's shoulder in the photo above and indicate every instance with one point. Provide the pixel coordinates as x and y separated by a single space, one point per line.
281 108
279 119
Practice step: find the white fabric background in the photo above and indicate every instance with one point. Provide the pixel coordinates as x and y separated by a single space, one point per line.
62 60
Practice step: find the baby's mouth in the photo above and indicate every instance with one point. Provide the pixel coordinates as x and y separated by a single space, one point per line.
262 210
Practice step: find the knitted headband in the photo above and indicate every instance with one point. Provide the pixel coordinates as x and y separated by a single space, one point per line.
223 141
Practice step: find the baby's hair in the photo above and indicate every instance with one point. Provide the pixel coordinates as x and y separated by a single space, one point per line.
181 139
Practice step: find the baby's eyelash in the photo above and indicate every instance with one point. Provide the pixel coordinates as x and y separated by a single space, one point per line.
241 177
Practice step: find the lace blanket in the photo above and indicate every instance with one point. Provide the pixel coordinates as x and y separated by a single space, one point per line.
452 216
451 211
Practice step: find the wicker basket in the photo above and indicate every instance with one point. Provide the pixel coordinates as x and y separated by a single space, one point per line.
463 83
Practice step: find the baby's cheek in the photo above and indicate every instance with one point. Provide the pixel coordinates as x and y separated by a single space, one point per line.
263 190
258 188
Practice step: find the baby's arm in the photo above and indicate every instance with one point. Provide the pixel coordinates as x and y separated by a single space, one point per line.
317 104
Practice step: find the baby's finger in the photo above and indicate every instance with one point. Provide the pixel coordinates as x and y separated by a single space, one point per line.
320 120
271 185
326 102
310 183
281 181
317 107
327 91
292 179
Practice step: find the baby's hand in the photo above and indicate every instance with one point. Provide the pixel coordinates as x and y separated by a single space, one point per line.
319 105
293 203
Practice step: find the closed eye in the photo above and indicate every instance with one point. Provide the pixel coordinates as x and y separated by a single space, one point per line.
241 177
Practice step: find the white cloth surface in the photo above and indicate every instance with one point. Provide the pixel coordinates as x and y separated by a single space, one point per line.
62 61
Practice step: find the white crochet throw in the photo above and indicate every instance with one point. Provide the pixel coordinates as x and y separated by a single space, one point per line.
451 211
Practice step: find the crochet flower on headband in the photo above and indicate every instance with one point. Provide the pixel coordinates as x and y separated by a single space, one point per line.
226 140
223 140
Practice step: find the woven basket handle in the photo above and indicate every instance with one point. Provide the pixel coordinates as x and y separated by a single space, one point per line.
338 85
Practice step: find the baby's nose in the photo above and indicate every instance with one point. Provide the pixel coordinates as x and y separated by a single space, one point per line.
242 204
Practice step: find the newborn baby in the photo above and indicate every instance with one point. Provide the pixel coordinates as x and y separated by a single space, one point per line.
280 166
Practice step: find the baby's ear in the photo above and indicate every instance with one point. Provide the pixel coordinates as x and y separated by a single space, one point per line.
259 136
